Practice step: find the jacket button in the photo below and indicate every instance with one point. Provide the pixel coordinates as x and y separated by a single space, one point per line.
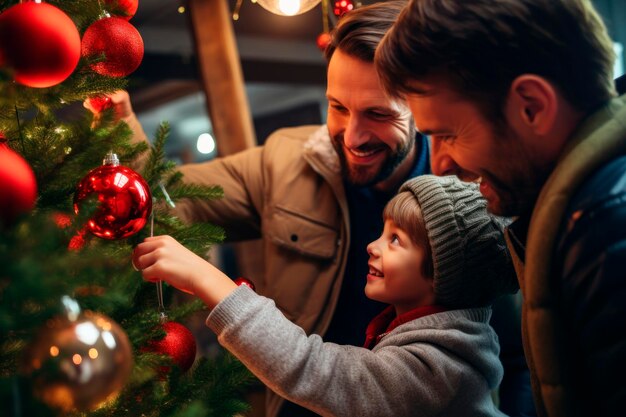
294 238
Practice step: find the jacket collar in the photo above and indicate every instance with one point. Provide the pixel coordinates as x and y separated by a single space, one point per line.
320 153
386 321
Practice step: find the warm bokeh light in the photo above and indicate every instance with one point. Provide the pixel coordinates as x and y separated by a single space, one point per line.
206 143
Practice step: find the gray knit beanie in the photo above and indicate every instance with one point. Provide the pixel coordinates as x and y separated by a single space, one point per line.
472 265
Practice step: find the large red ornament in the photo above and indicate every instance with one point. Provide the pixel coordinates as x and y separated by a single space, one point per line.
125 9
39 42
18 187
119 41
178 343
124 200
342 7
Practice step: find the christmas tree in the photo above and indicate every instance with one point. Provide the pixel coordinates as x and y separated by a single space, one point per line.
80 332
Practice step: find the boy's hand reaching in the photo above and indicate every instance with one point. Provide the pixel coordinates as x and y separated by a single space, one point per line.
162 258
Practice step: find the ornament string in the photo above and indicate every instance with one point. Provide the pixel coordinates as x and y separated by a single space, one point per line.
325 25
159 283
167 196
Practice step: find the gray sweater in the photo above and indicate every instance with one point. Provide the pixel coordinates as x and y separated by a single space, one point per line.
444 364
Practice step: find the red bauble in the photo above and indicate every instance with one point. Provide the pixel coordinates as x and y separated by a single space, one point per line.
122 8
178 343
342 7
62 220
119 41
323 40
100 103
18 187
246 282
39 42
77 242
124 200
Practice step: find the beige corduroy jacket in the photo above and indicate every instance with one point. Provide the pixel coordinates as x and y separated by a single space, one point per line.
288 192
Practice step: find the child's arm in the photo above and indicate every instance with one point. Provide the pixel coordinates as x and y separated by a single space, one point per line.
162 258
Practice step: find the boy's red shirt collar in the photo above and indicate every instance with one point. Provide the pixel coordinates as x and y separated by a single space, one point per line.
387 320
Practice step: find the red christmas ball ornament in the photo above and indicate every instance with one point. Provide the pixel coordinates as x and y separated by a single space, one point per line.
62 220
244 281
100 103
342 7
77 242
40 43
18 186
125 9
178 343
124 199
120 43
323 40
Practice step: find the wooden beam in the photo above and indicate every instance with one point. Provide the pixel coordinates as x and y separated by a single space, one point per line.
220 69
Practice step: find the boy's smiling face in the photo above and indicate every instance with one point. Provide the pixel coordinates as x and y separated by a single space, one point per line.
396 271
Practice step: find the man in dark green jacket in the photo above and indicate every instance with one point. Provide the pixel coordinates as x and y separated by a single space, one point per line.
520 95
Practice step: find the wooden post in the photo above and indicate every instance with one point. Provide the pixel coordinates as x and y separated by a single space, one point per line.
222 77
227 105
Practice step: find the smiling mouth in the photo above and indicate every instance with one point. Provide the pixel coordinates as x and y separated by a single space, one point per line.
375 272
364 154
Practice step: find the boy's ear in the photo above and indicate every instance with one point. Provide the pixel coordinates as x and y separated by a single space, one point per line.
533 103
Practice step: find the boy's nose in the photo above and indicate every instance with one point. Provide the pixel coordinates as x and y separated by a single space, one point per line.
372 250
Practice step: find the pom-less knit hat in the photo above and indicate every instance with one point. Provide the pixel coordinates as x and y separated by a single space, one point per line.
472 265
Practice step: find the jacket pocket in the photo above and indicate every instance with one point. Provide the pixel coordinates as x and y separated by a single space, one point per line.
301 234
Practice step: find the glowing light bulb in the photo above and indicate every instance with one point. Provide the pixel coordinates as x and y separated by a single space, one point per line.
289 7
206 143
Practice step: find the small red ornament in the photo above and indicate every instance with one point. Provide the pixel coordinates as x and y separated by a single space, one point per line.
244 281
124 198
178 343
125 9
77 242
119 41
342 7
323 40
100 103
39 42
62 220
18 186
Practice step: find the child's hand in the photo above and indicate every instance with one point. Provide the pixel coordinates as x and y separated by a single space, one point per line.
162 258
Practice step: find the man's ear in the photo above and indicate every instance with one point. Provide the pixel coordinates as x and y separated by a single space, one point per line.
534 101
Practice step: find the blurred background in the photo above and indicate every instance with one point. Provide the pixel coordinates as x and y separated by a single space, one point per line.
283 69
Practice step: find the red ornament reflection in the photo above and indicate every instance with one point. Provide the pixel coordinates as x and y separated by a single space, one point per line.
124 201
342 7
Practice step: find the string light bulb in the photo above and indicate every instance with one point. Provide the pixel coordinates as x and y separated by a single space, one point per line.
288 7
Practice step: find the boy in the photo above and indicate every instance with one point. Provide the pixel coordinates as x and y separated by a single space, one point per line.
439 262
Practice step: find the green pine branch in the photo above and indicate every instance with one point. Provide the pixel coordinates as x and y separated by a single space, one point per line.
62 142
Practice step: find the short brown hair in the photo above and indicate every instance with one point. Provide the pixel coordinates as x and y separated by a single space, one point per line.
360 31
404 210
481 46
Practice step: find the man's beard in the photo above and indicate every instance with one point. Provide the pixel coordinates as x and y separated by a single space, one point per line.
362 176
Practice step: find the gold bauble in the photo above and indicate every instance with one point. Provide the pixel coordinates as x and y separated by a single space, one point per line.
78 363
